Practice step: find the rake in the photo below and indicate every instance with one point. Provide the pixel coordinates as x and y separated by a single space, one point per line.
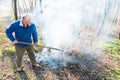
42 46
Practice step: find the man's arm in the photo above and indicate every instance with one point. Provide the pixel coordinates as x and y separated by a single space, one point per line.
9 32
35 35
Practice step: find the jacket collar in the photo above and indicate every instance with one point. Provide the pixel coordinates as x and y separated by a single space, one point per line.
21 23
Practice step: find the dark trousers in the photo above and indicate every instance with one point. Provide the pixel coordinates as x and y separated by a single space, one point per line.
20 51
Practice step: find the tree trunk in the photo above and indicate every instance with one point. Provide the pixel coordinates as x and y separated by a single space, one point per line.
15 9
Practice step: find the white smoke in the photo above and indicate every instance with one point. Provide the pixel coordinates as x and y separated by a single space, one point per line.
75 24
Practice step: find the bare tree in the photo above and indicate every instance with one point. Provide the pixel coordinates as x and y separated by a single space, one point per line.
15 8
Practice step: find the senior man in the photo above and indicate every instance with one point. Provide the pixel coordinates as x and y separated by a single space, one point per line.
24 31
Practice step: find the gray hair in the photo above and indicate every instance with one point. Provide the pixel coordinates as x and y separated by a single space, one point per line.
26 16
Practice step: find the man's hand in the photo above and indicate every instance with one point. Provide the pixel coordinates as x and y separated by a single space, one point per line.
36 44
15 42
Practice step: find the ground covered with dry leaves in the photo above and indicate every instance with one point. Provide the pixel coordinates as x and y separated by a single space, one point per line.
84 70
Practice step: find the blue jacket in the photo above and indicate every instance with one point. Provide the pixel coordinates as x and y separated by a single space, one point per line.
21 33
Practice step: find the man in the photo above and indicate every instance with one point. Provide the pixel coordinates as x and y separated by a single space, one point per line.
24 31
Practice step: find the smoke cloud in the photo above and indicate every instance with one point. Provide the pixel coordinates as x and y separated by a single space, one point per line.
75 26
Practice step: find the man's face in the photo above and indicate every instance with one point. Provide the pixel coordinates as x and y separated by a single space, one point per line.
26 21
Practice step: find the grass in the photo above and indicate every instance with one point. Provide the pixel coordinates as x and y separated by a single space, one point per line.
114 48
112 52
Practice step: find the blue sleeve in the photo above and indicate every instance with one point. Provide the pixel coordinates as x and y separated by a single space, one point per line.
34 34
9 32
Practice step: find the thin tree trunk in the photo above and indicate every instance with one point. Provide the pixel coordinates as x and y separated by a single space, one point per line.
15 10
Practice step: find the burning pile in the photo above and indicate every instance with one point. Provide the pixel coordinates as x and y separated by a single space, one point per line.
71 64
